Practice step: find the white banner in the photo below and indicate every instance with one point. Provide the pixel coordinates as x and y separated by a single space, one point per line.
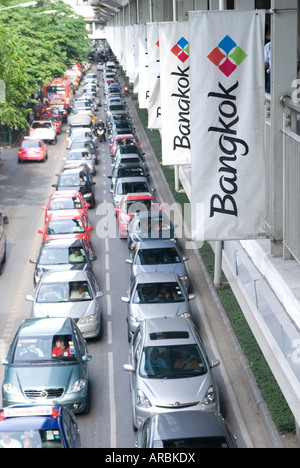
227 122
154 109
175 92
143 94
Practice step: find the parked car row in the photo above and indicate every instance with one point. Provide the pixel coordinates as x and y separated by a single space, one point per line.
46 377
171 376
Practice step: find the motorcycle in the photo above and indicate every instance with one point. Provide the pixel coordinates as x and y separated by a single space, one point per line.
126 90
101 134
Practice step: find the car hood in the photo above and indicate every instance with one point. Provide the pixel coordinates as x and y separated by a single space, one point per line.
75 310
178 392
44 376
144 311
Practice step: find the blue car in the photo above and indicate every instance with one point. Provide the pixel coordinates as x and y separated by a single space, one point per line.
45 426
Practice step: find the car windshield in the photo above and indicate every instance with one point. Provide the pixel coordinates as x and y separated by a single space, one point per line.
146 293
64 292
32 438
65 226
192 442
62 256
159 256
79 155
128 149
80 135
131 187
125 141
82 144
172 362
129 172
67 180
65 203
37 349
41 125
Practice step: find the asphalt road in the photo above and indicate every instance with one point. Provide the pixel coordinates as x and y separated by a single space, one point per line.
23 189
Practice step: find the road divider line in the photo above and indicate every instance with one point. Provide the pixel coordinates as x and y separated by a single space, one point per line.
112 402
108 304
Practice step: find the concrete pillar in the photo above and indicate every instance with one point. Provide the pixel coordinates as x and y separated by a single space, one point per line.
284 21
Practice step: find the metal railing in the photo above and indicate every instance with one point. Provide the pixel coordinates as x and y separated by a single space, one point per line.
291 178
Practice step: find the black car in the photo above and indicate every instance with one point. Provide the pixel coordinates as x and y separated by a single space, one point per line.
185 429
127 170
78 178
149 225
62 254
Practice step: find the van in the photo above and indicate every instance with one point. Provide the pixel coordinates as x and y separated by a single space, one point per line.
3 223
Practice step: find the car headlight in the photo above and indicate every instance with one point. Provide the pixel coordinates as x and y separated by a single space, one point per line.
210 396
11 389
142 400
134 318
88 319
77 386
185 314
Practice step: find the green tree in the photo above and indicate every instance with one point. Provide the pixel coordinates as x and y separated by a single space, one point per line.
43 41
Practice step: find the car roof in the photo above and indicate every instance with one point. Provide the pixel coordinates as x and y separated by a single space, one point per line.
136 180
73 170
21 423
157 244
137 196
122 137
46 325
187 424
156 214
63 276
66 214
65 193
165 331
157 277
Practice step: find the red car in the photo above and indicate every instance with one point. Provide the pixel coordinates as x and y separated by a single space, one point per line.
56 119
130 204
67 225
123 140
32 150
70 200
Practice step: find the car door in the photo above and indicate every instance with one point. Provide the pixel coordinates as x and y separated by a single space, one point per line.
2 241
82 351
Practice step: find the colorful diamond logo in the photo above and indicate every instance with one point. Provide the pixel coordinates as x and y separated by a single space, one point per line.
227 56
181 50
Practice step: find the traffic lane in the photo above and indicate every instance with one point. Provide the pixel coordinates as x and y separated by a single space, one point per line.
109 421
23 189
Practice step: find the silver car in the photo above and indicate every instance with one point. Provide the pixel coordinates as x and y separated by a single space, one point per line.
169 369
126 185
156 294
158 255
80 156
72 294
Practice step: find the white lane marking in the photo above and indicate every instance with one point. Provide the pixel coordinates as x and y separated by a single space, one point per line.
112 402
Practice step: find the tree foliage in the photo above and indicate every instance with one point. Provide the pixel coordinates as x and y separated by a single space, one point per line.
36 44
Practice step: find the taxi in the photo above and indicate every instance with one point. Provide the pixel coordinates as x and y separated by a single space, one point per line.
127 139
70 200
66 225
129 205
32 426
32 150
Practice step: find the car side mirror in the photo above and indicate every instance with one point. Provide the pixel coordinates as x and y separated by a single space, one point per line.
86 358
29 297
4 362
43 208
90 228
32 260
191 296
214 363
185 259
99 294
125 299
40 231
129 261
128 367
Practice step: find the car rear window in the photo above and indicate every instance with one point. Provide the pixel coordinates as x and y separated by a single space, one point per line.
169 335
31 144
